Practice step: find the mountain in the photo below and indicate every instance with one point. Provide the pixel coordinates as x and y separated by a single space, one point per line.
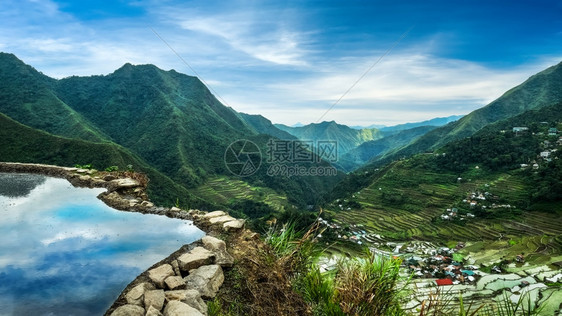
377 126
347 138
261 125
508 181
439 121
541 89
20 143
27 96
373 149
169 120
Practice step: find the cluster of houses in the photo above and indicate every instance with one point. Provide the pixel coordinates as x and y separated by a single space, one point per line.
443 264
547 145
453 213
353 233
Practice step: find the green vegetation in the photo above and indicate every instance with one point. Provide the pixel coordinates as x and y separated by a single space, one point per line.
24 144
261 125
407 198
372 150
169 122
372 284
541 90
346 137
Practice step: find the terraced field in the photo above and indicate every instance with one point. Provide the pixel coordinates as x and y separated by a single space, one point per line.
400 207
223 190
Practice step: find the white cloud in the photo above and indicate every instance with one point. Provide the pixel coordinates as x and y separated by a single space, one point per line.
404 84
259 61
263 40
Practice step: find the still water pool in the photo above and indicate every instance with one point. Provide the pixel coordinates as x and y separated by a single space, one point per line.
64 252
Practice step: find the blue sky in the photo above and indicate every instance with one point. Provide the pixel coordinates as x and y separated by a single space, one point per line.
291 60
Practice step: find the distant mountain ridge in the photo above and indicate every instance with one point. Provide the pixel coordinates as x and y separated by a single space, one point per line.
371 150
346 137
438 121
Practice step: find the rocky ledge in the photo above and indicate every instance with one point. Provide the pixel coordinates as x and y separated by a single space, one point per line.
179 284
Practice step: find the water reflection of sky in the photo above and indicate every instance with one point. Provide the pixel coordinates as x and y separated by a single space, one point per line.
64 252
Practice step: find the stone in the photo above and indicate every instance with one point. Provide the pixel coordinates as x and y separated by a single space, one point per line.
175 209
195 258
160 273
206 279
214 214
190 297
218 247
154 298
135 295
85 178
126 183
151 311
176 267
177 308
109 177
147 204
128 310
233 225
174 282
221 219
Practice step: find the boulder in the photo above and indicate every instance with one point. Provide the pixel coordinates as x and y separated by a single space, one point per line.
160 273
221 219
177 308
126 183
135 295
109 177
174 282
128 310
218 247
151 311
147 204
175 209
154 298
233 225
206 279
195 258
176 267
190 297
214 214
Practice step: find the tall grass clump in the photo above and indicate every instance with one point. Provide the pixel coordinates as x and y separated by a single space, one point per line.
296 251
370 285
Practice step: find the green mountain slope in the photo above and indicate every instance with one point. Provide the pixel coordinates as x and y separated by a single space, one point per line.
26 96
20 143
372 150
346 137
542 89
405 199
261 125
169 120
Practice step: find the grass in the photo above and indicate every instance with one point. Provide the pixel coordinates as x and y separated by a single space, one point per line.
373 285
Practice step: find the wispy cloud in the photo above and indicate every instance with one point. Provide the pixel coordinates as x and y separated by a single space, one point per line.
410 83
258 35
277 59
